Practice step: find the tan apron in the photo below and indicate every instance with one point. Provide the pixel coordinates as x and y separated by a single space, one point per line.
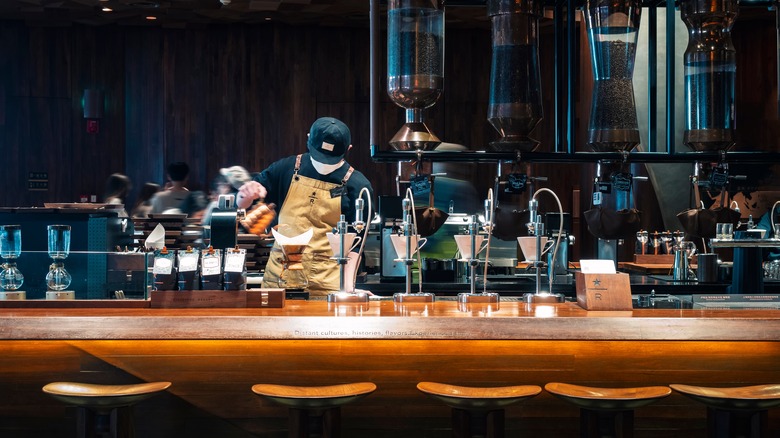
310 203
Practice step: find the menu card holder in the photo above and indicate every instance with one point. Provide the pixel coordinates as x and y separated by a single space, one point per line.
604 291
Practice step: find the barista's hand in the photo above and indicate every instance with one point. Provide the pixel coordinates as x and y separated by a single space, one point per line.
249 192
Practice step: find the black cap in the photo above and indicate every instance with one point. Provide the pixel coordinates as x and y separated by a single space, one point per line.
329 140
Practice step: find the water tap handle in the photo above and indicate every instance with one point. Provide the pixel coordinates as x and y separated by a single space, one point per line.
406 205
359 206
535 219
488 214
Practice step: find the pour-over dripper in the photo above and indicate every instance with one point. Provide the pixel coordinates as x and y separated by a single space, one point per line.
399 244
415 66
351 241
465 247
528 246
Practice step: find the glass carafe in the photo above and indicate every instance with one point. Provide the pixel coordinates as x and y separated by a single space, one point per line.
515 106
58 278
415 66
293 275
710 73
613 28
11 278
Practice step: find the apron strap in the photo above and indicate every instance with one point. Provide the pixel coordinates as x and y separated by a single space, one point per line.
297 165
346 177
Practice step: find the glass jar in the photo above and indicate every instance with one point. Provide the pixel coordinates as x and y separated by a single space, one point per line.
515 106
415 66
710 74
613 27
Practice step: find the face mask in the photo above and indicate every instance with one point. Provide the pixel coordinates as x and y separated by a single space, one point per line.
325 169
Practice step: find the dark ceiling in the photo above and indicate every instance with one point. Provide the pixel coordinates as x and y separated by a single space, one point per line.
199 13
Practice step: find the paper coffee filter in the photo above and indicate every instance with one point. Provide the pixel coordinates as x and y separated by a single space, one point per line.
301 239
156 239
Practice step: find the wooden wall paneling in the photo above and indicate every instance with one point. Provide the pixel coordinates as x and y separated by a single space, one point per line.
467 88
227 121
285 94
3 97
98 63
186 96
337 76
16 75
16 135
261 58
296 72
144 121
14 43
50 149
51 61
758 127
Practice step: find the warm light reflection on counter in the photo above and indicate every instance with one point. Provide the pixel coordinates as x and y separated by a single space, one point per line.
479 309
543 310
412 309
348 309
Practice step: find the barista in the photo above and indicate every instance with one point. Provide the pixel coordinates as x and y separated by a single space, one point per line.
313 190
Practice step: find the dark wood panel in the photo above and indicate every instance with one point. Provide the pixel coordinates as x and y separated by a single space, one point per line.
144 121
98 63
50 149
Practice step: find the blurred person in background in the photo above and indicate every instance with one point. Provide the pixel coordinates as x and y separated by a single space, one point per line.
170 200
143 204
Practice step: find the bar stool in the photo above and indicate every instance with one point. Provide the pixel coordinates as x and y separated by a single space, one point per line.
735 412
99 403
314 410
607 412
478 411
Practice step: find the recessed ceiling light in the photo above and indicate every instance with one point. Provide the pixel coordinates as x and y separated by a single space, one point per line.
107 9
150 17
144 4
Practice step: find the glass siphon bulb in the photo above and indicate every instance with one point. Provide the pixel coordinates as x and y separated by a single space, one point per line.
11 277
57 278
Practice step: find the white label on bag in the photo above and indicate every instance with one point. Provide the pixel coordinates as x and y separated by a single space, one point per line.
188 264
162 266
597 198
210 266
234 262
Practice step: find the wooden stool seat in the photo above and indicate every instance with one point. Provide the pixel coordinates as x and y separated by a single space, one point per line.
746 398
604 399
103 397
478 411
736 411
469 397
100 405
314 397
607 412
314 410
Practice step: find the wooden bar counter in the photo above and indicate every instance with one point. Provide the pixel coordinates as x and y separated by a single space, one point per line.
214 356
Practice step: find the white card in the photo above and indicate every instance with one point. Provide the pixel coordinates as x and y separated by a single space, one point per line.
597 266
